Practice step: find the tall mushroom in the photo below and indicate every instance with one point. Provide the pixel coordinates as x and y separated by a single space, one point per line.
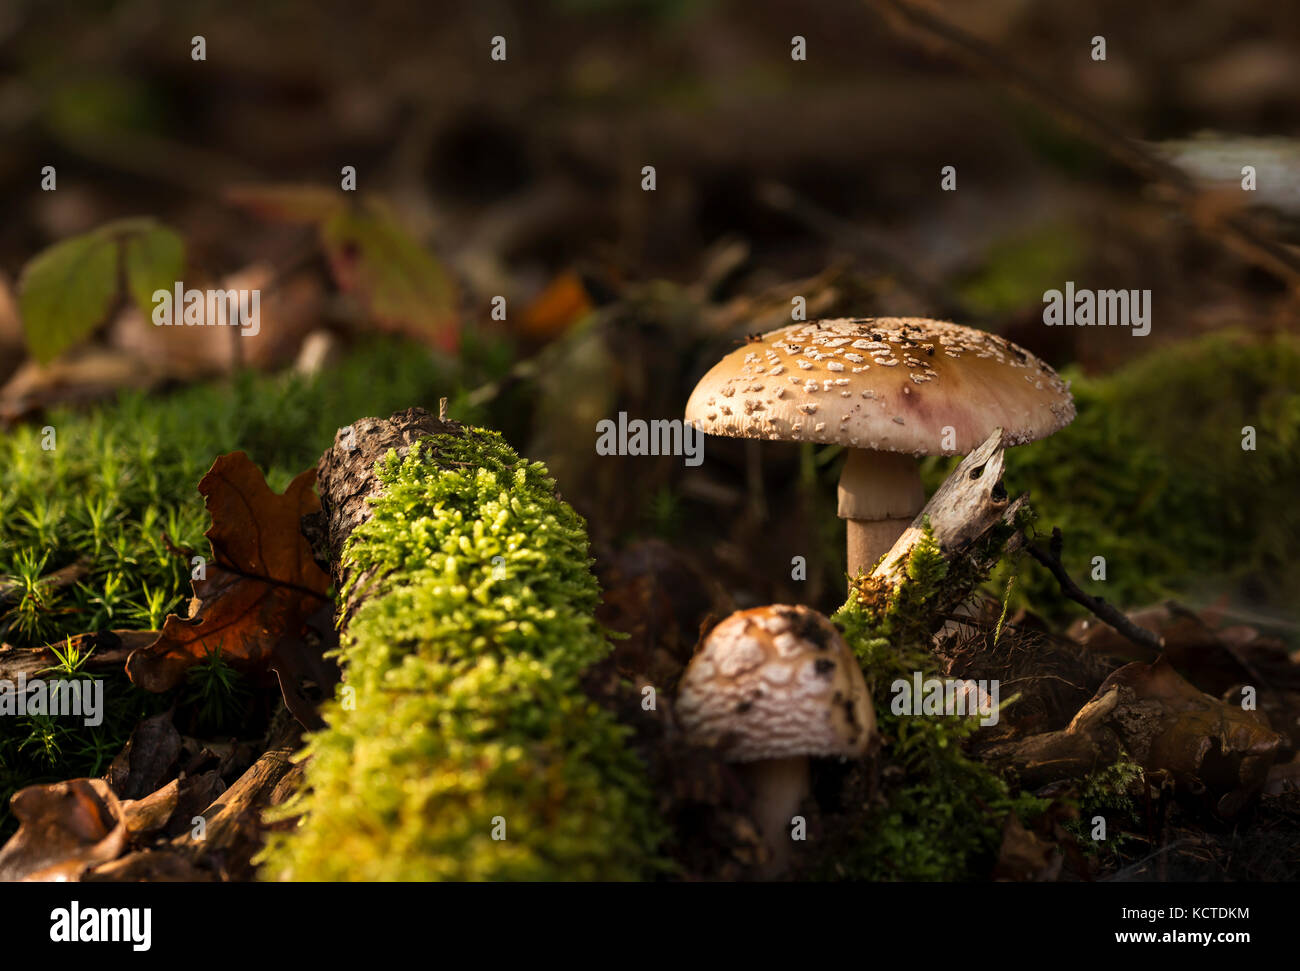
770 688
890 389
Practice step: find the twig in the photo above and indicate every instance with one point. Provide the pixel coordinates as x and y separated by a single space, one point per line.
1116 619
986 57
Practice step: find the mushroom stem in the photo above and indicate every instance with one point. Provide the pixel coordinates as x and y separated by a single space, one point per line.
779 786
879 494
870 539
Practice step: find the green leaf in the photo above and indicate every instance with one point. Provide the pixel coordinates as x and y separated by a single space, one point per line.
154 260
65 292
397 280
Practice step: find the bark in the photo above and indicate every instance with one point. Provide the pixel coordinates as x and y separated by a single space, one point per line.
346 482
971 519
60 579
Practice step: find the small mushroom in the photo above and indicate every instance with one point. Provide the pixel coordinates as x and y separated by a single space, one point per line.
770 688
890 389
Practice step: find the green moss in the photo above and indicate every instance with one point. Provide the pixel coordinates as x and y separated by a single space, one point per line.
123 475
1110 792
1152 476
464 666
943 811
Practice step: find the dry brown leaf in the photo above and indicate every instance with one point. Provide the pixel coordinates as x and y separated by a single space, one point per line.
557 308
1215 658
12 349
289 307
83 374
144 762
262 582
1166 725
64 829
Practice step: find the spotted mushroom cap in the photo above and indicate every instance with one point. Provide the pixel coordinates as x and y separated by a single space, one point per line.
776 682
884 383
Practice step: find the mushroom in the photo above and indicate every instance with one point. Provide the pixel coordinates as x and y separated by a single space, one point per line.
890 389
769 688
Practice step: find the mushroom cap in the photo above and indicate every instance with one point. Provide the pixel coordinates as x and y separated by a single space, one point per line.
884 383
776 682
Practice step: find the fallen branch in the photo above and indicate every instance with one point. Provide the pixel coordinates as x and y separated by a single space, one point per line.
968 525
68 576
347 483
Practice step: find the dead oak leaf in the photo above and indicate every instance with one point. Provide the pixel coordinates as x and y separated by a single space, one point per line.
261 583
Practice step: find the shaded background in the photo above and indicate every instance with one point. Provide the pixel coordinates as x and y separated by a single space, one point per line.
775 178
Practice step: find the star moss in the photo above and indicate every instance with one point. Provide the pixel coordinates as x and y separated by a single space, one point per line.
462 719
112 491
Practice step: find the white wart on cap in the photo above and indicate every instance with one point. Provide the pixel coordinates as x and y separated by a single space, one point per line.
883 383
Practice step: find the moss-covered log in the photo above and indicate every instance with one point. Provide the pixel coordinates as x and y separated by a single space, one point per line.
460 744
